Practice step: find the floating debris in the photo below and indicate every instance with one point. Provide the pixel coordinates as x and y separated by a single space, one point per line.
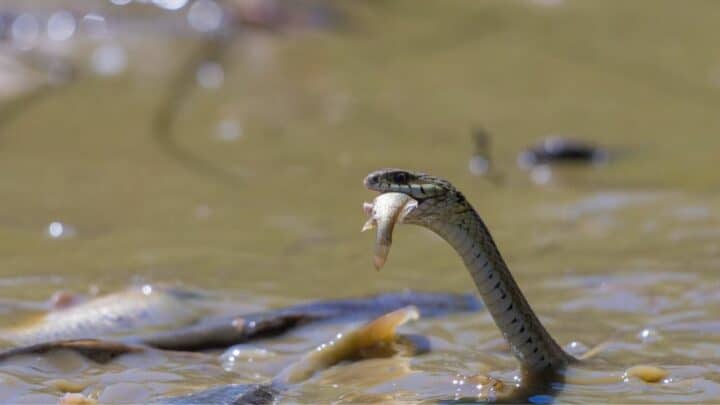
651 374
561 150
481 163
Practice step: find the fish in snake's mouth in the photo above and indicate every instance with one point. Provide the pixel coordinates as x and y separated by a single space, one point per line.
406 197
384 212
401 192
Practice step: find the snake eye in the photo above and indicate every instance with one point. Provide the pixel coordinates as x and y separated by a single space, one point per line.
401 178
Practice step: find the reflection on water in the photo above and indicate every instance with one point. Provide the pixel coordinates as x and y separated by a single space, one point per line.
221 144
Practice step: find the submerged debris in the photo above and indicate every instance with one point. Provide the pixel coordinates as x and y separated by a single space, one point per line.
561 150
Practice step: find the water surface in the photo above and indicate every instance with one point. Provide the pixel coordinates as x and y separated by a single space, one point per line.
247 183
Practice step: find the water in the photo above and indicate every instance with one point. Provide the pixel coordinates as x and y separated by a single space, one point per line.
131 164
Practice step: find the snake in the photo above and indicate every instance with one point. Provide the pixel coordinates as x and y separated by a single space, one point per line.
443 209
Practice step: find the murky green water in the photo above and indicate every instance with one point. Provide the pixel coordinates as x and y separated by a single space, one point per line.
252 190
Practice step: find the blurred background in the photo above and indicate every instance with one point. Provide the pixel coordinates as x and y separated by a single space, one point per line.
221 145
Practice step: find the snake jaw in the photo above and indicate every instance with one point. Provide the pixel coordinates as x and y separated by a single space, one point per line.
385 212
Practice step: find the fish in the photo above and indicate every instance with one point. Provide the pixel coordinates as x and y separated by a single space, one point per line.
128 311
384 213
98 351
352 345
222 331
380 331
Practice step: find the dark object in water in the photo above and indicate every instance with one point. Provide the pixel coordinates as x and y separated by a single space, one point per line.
225 331
99 351
481 162
561 150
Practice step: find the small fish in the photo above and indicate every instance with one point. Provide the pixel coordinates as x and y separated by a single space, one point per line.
385 211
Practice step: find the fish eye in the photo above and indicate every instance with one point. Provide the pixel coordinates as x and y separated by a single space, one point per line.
401 177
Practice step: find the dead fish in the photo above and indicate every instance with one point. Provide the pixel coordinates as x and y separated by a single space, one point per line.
346 346
561 150
98 351
224 331
353 345
74 398
385 211
129 311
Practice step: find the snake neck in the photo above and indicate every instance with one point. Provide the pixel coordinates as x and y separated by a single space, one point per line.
529 341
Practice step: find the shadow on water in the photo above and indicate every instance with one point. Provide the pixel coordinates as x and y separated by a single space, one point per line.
179 89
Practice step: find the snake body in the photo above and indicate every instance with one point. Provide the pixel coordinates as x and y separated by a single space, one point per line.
444 210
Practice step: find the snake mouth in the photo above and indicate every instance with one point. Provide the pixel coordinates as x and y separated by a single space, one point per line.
413 185
371 183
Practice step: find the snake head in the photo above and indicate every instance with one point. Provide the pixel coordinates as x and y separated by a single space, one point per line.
435 196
